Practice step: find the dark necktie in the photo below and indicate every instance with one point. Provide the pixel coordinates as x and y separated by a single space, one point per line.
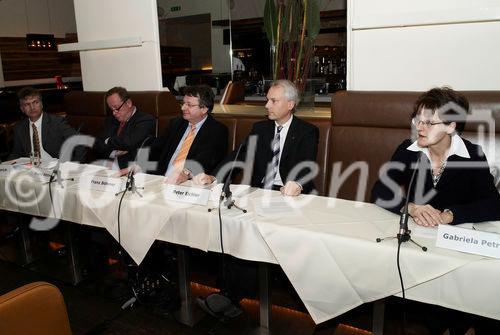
36 141
275 162
120 128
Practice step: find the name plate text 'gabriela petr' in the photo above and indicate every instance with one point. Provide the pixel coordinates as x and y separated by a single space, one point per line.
469 240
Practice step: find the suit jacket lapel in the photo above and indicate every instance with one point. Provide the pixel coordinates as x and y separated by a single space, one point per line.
199 136
290 138
45 131
26 139
267 140
129 123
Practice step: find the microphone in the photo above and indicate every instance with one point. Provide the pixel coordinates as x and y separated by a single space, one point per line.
56 173
130 183
226 189
404 233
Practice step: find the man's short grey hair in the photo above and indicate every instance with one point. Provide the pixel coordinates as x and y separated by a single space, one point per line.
291 92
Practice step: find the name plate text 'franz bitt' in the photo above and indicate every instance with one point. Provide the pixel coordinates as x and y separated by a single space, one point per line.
103 183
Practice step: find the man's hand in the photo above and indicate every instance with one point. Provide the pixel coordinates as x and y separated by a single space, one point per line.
425 215
203 179
176 177
291 188
121 172
126 171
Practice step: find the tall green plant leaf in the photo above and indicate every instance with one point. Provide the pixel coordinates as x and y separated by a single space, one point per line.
313 24
270 21
293 20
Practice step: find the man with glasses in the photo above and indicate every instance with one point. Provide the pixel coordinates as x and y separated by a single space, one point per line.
40 134
284 154
286 147
124 131
194 143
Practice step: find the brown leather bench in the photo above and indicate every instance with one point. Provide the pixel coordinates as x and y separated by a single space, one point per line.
364 127
89 109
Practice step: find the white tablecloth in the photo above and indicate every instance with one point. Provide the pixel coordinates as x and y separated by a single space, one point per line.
325 246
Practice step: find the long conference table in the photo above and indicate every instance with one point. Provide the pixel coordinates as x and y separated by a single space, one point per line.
326 246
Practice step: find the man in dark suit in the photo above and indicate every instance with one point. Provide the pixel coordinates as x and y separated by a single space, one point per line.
125 131
42 134
285 149
284 153
194 143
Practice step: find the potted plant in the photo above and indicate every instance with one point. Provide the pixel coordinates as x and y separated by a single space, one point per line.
291 27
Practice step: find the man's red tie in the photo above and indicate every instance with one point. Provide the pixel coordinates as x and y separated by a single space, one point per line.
120 128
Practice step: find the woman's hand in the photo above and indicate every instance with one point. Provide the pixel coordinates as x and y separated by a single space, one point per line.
425 215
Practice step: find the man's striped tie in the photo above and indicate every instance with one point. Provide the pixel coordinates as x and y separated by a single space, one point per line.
36 141
275 162
179 160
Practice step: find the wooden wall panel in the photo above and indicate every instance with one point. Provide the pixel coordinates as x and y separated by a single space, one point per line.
19 63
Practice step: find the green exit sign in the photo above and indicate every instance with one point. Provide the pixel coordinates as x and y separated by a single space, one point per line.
175 8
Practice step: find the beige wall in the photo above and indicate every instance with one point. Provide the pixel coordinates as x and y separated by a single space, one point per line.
136 68
407 45
218 10
19 17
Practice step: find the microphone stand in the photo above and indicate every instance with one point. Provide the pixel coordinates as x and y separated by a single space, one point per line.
404 234
227 194
55 176
139 287
226 189
230 202
130 185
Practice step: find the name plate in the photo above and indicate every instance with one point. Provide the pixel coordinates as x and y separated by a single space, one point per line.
468 240
103 183
41 175
5 170
190 195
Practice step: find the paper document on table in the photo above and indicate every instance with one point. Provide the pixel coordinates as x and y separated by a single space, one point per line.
17 161
147 180
237 191
422 231
277 206
71 169
491 226
49 164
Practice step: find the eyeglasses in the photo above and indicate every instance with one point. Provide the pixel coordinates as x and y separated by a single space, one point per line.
31 103
118 109
189 105
427 123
